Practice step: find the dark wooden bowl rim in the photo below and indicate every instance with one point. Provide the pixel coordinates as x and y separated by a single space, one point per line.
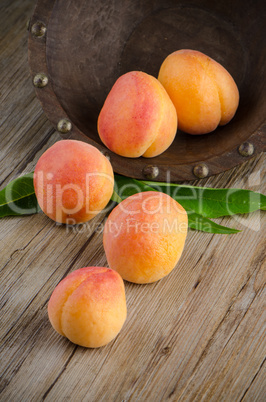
165 166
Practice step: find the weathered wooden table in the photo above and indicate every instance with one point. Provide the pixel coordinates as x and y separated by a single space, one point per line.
198 334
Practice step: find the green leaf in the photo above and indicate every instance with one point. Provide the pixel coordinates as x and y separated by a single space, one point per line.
212 202
18 197
125 187
199 222
115 197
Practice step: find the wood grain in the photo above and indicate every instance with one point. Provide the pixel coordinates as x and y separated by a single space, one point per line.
196 335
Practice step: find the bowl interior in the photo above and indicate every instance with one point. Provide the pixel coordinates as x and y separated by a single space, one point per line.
89 45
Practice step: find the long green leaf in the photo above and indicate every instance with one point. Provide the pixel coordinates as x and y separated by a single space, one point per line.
115 197
18 197
212 202
125 187
199 222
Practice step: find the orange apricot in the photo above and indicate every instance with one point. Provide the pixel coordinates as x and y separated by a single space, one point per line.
73 181
204 93
144 236
89 306
137 118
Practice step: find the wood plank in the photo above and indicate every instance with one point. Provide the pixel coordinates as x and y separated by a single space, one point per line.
221 372
24 128
198 334
257 389
180 336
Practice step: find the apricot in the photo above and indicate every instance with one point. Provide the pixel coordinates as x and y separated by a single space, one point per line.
89 306
204 93
73 181
144 236
138 117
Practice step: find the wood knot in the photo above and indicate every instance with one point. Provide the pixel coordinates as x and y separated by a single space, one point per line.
166 350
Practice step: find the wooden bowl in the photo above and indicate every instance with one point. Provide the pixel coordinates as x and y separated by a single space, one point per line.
78 49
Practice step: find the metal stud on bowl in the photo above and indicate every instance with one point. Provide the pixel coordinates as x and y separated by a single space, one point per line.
64 126
150 172
201 170
40 80
246 149
38 29
107 155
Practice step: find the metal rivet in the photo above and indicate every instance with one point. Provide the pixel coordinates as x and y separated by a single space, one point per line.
38 29
64 126
201 170
106 154
246 149
40 80
150 172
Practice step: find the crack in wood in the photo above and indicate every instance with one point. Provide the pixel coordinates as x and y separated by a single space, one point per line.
21 249
59 375
227 313
83 248
20 363
253 379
